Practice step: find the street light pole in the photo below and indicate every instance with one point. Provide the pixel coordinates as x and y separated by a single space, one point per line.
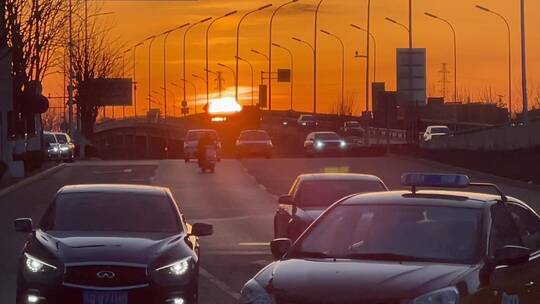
524 67
184 51
374 49
455 51
167 33
313 52
151 39
367 64
135 78
238 43
194 89
207 81
410 24
270 51
342 63
124 76
252 79
509 55
292 69
316 32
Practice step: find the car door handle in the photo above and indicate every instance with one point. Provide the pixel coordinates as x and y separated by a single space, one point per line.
529 284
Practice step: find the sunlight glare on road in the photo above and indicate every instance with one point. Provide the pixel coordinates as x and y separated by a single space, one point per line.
225 105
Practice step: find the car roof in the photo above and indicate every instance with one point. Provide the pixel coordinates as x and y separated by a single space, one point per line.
427 197
324 132
432 127
113 188
338 176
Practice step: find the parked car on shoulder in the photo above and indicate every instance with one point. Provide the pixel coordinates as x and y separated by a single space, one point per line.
191 142
254 142
436 131
311 194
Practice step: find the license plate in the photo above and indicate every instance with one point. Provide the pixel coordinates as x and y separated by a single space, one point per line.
98 297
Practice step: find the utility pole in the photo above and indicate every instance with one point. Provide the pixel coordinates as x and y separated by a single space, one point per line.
444 79
525 117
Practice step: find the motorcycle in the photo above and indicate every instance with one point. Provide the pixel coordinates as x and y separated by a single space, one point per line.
209 162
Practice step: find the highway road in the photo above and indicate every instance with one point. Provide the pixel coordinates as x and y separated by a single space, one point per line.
239 200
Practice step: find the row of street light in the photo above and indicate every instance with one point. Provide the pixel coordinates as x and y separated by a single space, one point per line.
313 47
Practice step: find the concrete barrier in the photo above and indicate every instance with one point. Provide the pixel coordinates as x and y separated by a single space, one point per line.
502 138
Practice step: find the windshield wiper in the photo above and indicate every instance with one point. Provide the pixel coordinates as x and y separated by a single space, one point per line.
308 254
383 257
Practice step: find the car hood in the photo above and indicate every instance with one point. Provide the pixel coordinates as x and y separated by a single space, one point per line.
346 281
70 247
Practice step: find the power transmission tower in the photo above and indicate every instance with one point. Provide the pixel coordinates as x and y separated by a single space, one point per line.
444 79
219 80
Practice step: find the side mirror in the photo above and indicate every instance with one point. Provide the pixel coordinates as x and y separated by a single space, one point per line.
285 200
24 225
200 229
279 247
512 255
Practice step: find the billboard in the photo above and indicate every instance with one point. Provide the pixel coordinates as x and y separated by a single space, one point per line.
263 100
111 91
411 77
284 75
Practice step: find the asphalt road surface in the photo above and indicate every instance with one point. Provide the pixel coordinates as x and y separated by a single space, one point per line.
239 200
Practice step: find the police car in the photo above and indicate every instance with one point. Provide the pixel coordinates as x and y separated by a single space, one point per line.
410 247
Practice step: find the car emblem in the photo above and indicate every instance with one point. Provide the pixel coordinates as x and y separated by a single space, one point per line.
105 275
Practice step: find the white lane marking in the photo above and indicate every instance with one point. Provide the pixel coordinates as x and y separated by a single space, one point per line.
31 179
219 284
255 244
112 171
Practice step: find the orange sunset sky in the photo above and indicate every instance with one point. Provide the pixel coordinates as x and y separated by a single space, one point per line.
482 45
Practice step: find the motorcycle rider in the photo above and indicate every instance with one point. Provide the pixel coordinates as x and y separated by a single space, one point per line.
204 142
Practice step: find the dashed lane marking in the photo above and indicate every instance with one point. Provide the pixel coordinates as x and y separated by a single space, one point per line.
254 244
219 284
237 252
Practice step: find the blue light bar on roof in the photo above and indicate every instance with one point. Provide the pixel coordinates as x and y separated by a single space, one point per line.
435 180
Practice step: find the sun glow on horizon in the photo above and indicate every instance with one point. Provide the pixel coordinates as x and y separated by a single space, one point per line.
224 105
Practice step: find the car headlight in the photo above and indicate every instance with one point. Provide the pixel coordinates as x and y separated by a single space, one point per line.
343 144
254 293
64 148
177 268
319 144
442 296
35 265
304 124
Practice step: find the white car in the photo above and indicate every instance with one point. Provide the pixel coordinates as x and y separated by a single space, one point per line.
191 142
436 131
66 146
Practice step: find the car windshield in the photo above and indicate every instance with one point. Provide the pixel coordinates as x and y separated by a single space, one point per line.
440 130
395 232
353 124
49 138
327 136
323 193
62 138
255 135
196 135
112 212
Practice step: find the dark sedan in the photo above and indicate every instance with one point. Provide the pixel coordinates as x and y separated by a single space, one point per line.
409 247
110 244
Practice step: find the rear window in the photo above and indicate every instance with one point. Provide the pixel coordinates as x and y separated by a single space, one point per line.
196 135
254 135
324 193
106 212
